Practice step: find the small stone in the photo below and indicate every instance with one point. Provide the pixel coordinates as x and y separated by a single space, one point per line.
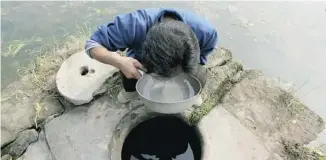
17 147
80 78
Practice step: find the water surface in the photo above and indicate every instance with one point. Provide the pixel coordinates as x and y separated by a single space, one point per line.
175 89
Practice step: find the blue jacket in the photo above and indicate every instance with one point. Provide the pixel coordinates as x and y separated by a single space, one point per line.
129 31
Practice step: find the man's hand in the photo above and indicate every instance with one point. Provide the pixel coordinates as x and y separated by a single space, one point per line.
129 67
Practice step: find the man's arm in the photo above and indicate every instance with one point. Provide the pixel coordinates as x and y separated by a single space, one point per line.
127 65
209 44
104 56
118 35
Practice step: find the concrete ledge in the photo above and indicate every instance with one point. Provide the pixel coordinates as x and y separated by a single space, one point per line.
226 138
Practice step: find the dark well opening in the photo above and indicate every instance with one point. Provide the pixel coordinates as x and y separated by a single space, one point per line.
163 138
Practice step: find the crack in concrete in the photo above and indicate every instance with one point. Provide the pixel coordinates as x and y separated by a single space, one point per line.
9 143
44 130
39 129
19 146
48 145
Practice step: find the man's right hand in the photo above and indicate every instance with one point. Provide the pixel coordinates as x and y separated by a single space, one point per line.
129 67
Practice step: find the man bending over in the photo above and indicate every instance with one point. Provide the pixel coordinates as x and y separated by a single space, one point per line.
159 40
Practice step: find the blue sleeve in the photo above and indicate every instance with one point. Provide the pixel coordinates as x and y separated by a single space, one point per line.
120 33
208 46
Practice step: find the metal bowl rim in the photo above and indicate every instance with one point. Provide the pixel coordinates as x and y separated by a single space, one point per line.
198 93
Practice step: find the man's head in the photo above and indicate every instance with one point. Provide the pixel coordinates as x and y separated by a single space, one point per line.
169 45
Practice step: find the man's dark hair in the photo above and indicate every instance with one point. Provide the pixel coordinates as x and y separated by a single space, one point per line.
170 44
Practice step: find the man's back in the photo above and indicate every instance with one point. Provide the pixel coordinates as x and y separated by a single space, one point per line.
129 31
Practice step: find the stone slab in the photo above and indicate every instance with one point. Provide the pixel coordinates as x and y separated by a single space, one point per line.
84 132
17 147
227 139
18 115
37 150
268 108
80 78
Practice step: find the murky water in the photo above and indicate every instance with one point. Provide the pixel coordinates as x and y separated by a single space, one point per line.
162 138
284 39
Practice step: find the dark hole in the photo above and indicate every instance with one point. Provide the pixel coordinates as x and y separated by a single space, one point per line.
83 70
163 137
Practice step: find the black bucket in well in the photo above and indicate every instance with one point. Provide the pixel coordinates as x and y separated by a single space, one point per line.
163 137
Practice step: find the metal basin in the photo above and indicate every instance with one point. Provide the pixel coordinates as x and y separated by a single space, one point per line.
170 96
